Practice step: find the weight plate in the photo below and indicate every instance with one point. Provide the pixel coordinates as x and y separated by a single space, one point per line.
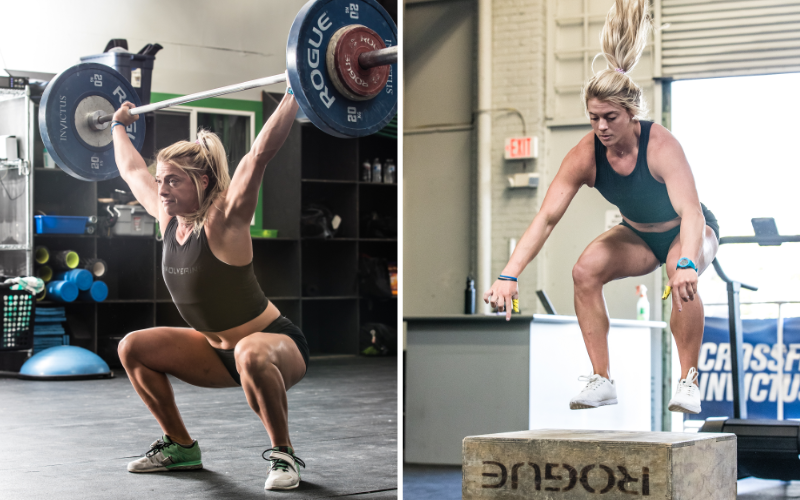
306 50
67 102
347 75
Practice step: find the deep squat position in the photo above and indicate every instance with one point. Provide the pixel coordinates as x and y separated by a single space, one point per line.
641 168
237 336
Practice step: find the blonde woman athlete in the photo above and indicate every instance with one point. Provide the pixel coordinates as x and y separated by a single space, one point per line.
641 168
237 336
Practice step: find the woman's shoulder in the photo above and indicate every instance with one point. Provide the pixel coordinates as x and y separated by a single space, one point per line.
579 164
661 140
583 153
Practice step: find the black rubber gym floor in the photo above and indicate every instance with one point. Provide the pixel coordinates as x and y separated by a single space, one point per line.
73 440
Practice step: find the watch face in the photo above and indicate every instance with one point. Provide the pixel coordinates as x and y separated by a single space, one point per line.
683 262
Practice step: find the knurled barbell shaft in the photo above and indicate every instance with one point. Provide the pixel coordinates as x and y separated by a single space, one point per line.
366 60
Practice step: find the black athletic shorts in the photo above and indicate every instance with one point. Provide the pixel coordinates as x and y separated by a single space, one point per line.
659 242
280 325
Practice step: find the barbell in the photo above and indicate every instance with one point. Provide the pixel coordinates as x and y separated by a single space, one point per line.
341 58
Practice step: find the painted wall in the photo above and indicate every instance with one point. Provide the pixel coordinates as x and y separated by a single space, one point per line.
206 44
438 167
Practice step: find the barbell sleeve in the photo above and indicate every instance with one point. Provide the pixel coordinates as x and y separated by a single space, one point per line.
366 60
378 57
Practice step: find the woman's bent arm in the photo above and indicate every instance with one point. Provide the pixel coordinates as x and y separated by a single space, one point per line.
575 171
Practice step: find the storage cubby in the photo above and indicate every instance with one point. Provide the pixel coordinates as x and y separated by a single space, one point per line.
329 268
340 199
277 266
56 193
131 266
289 308
383 148
81 323
325 157
377 310
331 325
167 315
384 249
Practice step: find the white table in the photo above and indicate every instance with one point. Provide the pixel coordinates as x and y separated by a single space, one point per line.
471 374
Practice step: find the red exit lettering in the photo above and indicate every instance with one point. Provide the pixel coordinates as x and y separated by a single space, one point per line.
521 148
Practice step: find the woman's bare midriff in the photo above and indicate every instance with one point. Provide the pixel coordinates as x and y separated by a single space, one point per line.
655 227
229 338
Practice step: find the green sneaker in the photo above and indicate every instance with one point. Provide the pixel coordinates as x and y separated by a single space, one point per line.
164 456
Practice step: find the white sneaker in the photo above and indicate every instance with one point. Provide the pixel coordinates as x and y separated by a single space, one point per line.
687 398
283 474
599 391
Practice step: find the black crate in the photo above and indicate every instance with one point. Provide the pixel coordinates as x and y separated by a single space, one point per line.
17 309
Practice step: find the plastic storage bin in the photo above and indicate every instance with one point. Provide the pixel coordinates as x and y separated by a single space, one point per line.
17 309
125 62
60 224
133 221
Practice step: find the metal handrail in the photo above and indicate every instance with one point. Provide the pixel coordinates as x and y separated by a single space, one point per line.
726 279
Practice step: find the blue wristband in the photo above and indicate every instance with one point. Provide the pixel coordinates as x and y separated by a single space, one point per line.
289 90
116 123
507 278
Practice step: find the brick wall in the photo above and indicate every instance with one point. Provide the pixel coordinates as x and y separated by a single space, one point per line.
518 61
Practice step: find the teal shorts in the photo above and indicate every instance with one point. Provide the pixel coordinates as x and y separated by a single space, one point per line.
659 243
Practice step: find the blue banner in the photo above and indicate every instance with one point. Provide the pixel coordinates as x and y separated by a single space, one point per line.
791 369
762 357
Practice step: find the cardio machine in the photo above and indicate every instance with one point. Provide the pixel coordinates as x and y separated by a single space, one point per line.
767 449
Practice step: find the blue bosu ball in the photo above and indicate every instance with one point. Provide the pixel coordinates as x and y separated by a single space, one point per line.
64 362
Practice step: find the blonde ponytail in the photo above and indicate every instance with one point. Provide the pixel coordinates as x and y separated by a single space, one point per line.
623 40
206 156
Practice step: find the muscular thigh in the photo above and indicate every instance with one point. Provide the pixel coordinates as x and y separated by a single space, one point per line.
709 251
181 352
275 348
617 253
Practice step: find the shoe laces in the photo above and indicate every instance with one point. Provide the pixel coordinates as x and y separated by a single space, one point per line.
592 381
279 463
156 447
690 381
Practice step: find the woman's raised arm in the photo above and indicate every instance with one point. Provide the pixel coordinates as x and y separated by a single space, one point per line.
130 163
242 198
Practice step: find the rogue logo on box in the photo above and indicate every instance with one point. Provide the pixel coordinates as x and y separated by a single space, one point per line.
604 479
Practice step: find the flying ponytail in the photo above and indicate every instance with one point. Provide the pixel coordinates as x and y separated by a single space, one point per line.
623 40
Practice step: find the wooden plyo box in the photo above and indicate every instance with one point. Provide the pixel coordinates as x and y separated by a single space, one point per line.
577 464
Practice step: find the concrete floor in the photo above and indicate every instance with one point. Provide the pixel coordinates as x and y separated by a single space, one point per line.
443 482
72 440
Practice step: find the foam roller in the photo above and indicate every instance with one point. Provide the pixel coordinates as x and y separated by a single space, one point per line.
97 293
62 291
81 277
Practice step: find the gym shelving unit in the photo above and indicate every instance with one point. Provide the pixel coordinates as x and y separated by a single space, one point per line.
313 282
319 285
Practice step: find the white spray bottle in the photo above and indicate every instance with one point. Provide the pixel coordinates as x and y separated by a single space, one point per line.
642 305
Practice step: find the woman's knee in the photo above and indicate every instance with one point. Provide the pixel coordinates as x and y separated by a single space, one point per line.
585 273
252 357
130 347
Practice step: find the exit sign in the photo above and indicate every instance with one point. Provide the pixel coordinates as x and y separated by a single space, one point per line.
521 148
